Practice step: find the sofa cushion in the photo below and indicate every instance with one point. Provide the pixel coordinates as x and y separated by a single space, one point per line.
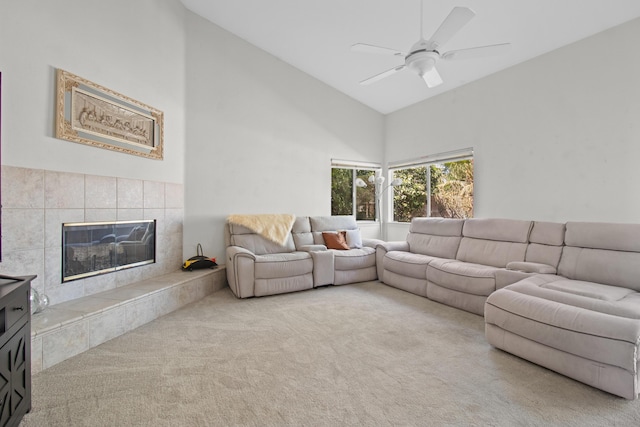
464 277
438 237
437 226
354 239
545 243
589 289
437 246
504 230
271 266
587 295
543 254
609 267
333 223
547 233
355 258
489 252
493 242
301 232
407 264
590 334
617 237
603 253
248 239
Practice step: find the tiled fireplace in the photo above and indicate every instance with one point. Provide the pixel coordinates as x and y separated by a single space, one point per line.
37 202
88 311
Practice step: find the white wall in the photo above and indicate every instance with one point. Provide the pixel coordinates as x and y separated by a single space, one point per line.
261 135
556 138
133 47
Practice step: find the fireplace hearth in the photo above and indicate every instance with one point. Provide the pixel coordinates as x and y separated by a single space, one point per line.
89 249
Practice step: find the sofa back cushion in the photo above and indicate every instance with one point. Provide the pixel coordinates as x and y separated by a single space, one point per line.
438 237
603 253
301 232
545 243
248 239
494 242
330 223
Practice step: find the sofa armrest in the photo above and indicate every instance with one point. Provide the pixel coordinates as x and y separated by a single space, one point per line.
394 246
371 243
381 250
531 267
240 271
234 251
312 248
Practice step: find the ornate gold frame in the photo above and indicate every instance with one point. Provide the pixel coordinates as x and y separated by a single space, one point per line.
91 114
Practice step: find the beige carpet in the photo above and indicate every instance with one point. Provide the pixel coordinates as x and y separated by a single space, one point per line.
364 354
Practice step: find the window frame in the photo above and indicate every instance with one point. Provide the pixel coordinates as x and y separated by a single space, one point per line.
355 166
427 162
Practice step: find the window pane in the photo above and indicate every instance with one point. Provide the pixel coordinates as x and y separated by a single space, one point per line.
341 191
410 198
452 189
365 197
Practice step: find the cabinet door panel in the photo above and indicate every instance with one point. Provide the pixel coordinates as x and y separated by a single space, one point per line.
14 376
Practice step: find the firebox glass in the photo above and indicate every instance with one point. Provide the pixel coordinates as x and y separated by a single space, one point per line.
94 248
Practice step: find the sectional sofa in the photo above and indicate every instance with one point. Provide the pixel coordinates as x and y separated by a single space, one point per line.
564 296
461 262
257 266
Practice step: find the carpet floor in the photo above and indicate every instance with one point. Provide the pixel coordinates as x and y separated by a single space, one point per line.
357 355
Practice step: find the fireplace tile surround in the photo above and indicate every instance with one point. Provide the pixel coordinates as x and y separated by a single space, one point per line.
36 202
89 311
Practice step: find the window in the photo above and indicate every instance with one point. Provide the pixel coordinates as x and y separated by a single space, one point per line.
436 186
347 198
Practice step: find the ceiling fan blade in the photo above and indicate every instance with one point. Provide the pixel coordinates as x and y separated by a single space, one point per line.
477 52
458 18
368 48
432 78
382 75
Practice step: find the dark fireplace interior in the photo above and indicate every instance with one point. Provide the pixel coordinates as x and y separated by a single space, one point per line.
95 248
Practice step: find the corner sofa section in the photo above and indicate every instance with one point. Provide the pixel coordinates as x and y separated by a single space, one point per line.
564 296
258 267
584 321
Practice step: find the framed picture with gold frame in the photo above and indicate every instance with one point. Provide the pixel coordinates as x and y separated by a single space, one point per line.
88 113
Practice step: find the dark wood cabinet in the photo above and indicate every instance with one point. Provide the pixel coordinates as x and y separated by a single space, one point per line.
15 349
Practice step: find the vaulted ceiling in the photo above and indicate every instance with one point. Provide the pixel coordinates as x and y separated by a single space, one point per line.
316 37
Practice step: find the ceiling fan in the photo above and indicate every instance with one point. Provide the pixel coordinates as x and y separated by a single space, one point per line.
424 54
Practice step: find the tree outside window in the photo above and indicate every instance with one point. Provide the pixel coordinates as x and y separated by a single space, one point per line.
349 199
449 184
342 185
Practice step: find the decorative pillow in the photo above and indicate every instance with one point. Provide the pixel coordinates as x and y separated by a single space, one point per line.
335 240
354 239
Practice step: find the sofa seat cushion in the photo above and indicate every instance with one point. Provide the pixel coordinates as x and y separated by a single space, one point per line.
592 328
612 300
271 266
407 264
354 259
461 276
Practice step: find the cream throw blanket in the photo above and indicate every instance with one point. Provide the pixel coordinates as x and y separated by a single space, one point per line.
273 227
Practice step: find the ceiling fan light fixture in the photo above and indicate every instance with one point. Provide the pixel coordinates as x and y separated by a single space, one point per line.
421 62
